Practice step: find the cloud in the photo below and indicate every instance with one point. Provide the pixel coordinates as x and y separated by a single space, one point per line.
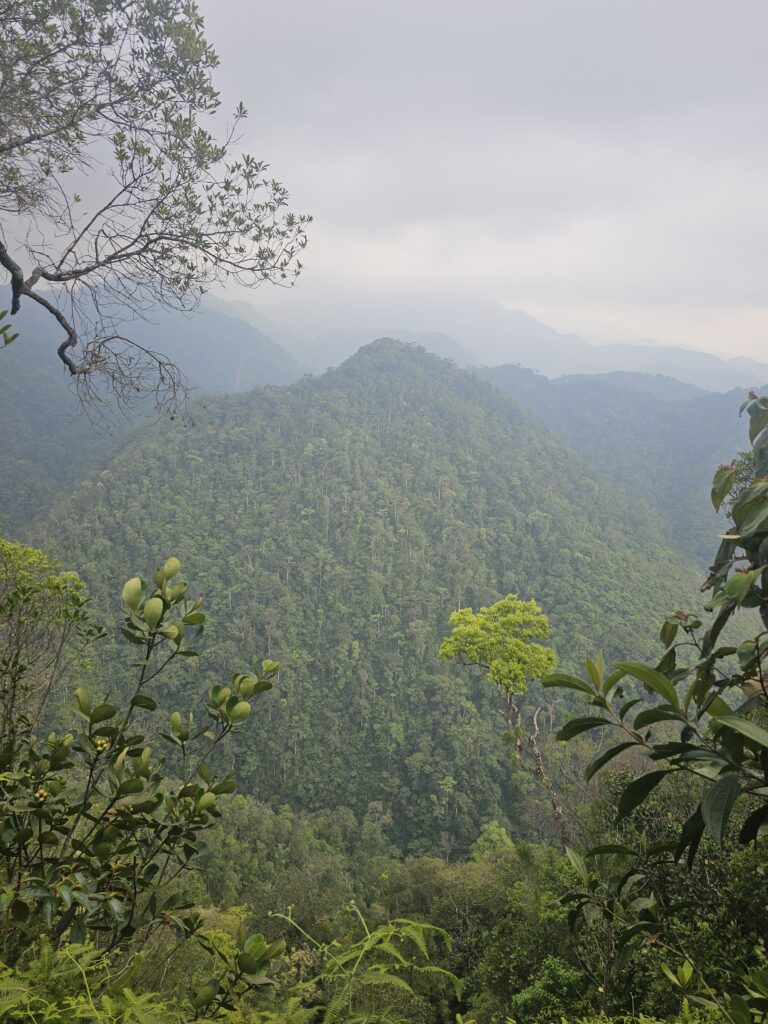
569 156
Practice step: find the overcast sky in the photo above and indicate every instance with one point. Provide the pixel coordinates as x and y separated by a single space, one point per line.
602 164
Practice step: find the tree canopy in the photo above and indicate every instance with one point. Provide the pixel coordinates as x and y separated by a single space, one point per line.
117 192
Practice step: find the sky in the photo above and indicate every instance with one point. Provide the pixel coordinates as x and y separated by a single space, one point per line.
601 164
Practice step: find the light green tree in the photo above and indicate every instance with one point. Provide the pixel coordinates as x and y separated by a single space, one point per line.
500 639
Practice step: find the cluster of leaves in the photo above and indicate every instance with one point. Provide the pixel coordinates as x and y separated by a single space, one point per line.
723 746
94 832
500 639
370 980
75 983
173 212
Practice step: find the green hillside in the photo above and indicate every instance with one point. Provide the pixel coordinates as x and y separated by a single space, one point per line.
335 525
653 435
50 442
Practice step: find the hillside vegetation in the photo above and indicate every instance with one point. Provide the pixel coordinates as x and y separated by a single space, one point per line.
334 525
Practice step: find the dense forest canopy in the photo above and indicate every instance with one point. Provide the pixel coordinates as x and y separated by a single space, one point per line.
337 523
402 691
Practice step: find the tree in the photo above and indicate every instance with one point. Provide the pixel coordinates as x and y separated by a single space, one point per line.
113 99
500 640
95 832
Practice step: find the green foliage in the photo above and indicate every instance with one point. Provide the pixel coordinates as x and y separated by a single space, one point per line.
654 437
724 747
372 979
173 212
335 524
555 992
94 832
500 639
75 983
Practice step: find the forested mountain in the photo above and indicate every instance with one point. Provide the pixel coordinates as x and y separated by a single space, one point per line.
335 525
655 436
43 454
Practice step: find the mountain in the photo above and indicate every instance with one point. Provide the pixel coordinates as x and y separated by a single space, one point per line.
476 329
335 524
330 348
44 454
658 438
513 336
333 347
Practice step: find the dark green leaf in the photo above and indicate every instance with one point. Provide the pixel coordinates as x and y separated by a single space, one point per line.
601 759
634 794
652 679
717 804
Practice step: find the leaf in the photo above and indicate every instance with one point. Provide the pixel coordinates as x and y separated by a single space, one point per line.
717 804
102 713
738 585
754 822
566 682
132 593
578 863
634 794
723 481
650 716
135 638
141 701
579 725
756 522
613 849
744 726
652 679
130 786
690 837
601 759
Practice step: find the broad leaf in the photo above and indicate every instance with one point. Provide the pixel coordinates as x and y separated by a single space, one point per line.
717 804
634 794
652 679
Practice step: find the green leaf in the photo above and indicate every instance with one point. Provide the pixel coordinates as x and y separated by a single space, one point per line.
744 726
650 716
240 712
578 863
579 725
129 787
634 794
723 481
142 701
171 568
717 804
249 964
83 700
756 522
601 759
102 713
652 679
739 585
566 682
754 822
132 593
153 611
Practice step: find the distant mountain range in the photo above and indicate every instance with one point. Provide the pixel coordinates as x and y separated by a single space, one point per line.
488 333
658 438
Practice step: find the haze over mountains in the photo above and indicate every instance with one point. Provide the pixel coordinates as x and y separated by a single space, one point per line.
486 333
658 436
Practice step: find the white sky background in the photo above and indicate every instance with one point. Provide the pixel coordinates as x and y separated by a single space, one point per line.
601 164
